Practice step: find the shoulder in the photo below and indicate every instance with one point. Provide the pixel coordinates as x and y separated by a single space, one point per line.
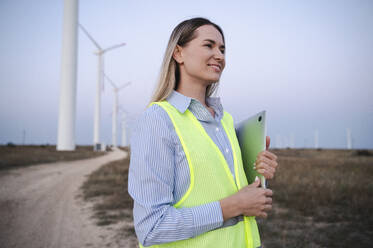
153 120
153 114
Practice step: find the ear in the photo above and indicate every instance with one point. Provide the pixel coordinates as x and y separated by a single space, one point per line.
177 55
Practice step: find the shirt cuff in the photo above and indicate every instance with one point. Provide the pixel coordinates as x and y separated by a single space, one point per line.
207 217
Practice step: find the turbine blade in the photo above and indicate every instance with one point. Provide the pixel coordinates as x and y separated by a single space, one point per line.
110 81
124 86
113 47
122 109
90 37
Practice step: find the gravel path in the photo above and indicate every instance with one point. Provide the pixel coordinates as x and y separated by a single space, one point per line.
40 206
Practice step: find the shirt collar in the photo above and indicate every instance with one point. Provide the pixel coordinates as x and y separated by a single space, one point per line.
179 101
182 103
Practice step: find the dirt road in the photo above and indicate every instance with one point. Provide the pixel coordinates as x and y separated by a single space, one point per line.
40 206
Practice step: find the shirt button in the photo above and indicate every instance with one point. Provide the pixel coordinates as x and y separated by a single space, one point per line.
217 129
226 150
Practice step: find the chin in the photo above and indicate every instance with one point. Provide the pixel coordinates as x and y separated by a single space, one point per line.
213 80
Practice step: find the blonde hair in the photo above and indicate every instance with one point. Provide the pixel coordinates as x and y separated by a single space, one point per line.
169 74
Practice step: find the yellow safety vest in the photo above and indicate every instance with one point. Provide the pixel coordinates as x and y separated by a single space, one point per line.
210 180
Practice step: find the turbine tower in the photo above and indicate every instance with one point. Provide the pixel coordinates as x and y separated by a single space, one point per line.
115 108
67 101
278 141
349 140
316 139
100 53
123 126
286 141
292 140
124 133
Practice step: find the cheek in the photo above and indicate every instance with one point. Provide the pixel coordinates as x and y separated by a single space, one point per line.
196 61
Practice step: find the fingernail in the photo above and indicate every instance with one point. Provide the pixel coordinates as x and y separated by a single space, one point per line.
256 178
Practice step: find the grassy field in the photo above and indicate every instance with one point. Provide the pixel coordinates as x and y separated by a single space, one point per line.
322 198
13 156
108 188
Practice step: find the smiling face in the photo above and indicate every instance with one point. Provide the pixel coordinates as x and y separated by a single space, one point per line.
202 59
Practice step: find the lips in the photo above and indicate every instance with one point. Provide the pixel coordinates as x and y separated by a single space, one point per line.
217 67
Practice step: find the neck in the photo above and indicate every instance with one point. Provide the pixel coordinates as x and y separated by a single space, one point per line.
192 89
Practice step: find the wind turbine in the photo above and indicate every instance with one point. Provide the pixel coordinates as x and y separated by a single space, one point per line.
23 136
349 139
100 53
292 140
67 101
316 139
286 141
123 125
116 90
278 141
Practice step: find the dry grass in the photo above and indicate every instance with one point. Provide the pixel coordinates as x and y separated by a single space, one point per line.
16 156
322 198
107 186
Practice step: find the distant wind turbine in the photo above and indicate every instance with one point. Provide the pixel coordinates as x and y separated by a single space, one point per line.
292 140
123 125
115 108
316 139
100 53
286 141
349 139
278 141
23 137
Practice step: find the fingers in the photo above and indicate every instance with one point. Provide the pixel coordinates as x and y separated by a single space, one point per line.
268 192
268 141
255 184
255 201
266 164
263 215
267 154
266 170
266 208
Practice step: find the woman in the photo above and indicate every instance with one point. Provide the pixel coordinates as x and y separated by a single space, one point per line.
186 175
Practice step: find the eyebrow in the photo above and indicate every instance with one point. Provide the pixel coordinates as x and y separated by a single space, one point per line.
213 42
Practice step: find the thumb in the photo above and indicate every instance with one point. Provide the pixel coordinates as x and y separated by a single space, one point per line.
268 141
256 183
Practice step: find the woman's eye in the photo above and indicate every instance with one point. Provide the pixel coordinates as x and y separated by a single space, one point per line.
208 45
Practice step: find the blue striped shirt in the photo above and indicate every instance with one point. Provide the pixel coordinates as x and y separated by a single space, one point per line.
159 174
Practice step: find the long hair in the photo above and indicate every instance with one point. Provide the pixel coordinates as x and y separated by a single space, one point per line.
170 75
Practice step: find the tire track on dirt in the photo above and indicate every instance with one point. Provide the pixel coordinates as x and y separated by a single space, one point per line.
39 206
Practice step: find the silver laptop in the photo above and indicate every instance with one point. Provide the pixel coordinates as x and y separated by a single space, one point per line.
251 134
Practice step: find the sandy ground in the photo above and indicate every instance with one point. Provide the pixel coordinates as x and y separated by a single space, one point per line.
41 206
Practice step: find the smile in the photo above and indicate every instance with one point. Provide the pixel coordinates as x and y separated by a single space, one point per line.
216 67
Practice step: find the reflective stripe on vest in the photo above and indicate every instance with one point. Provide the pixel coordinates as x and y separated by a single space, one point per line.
210 180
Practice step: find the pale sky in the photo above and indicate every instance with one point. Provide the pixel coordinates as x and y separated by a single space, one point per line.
308 63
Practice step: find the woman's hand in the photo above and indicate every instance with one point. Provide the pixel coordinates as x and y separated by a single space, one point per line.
266 162
251 200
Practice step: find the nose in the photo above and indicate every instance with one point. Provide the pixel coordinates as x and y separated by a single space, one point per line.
219 55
